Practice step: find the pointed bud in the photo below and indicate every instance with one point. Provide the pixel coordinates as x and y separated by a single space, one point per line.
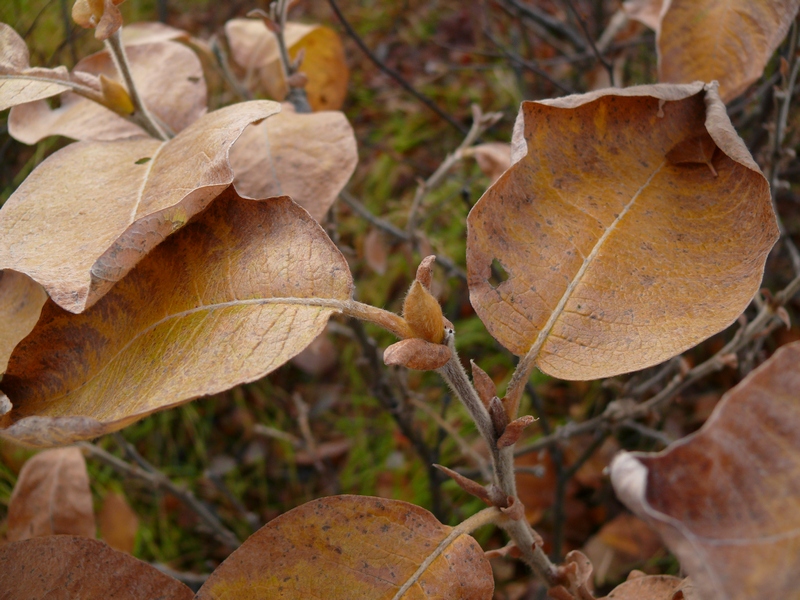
514 431
498 415
425 271
471 487
116 96
417 354
423 314
483 384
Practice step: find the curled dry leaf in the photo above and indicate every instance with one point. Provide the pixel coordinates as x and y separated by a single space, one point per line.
177 96
21 301
63 566
726 500
309 157
235 294
102 15
254 50
118 523
730 42
418 354
649 587
344 547
51 497
92 210
618 259
493 158
19 83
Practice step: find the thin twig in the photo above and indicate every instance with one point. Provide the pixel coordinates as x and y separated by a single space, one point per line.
392 73
549 22
582 22
162 482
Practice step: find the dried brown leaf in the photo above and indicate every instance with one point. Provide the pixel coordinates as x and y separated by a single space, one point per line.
483 384
376 250
51 497
254 49
345 547
318 357
176 96
21 301
729 42
726 500
649 587
92 210
65 566
418 354
618 259
493 158
309 157
647 12
150 32
118 523
236 293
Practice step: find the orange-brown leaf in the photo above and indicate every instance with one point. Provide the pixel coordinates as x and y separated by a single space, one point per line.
63 566
92 210
235 294
617 258
729 42
345 547
418 354
308 157
118 523
51 497
176 96
254 50
21 301
726 500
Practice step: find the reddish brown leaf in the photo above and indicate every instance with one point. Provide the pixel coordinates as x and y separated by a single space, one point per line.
254 49
376 250
51 497
21 301
726 500
236 293
729 42
92 210
418 354
118 523
64 566
345 547
616 258
308 157
176 96
483 384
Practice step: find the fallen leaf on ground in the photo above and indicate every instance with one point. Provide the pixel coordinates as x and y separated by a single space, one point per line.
21 301
309 157
92 210
118 523
63 566
617 259
344 547
51 497
726 500
621 544
176 96
235 294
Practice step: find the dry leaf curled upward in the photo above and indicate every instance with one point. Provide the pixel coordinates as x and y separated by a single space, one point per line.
92 210
236 293
345 547
103 15
617 258
493 158
51 497
418 354
63 566
309 157
21 301
744 464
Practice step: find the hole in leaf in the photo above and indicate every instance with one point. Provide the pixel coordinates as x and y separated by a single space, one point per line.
499 274
141 161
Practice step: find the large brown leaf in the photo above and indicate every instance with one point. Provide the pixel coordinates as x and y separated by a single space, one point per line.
345 547
618 256
730 41
92 210
63 566
308 157
254 50
726 500
175 95
18 81
51 497
235 294
21 301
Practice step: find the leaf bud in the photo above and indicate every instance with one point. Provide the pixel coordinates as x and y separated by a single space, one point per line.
423 314
116 96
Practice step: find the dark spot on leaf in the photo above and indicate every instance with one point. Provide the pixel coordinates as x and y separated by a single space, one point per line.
193 79
141 161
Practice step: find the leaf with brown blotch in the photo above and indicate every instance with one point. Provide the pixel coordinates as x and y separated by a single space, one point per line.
726 500
616 258
118 523
21 301
51 497
92 210
254 50
19 82
309 157
649 587
63 566
236 293
175 96
344 547
730 42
